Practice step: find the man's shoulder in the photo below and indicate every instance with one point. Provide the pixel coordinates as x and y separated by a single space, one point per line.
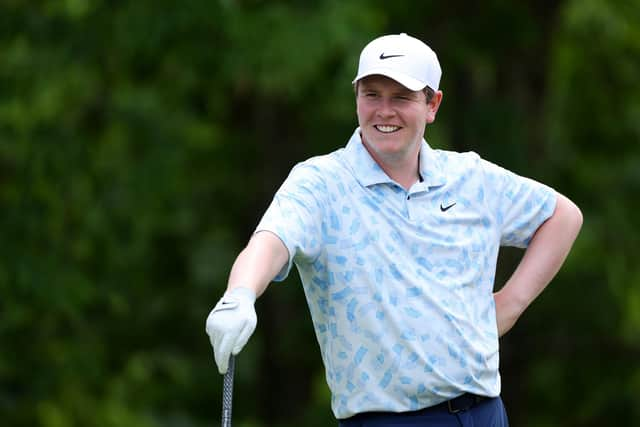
320 176
460 156
325 165
456 161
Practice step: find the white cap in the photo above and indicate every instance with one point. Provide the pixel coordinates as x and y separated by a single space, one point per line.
402 58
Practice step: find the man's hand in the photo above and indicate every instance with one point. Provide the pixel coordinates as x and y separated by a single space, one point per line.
230 324
507 312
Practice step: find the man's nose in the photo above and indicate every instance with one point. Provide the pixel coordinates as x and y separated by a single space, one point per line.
386 107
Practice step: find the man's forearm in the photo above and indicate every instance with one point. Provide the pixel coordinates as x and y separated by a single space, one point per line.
543 258
258 263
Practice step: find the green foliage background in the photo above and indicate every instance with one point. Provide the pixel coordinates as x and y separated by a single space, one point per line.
141 141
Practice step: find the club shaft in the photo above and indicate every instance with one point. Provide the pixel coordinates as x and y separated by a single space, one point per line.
227 393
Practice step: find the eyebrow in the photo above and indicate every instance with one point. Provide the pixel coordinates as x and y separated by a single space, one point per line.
406 92
400 91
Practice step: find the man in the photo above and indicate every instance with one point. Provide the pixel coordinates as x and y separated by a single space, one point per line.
396 245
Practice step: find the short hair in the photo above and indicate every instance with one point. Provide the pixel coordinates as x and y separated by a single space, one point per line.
429 93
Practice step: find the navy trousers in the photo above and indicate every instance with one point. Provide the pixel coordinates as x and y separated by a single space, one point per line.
487 413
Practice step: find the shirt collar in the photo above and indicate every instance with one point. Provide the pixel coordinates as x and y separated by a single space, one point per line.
368 172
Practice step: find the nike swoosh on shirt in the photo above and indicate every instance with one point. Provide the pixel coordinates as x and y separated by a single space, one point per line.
446 208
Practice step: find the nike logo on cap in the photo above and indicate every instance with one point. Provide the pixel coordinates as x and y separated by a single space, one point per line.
383 56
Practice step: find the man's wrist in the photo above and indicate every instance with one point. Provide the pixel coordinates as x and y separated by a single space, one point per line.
242 292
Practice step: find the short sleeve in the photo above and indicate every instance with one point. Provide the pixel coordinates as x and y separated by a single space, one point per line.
520 205
295 215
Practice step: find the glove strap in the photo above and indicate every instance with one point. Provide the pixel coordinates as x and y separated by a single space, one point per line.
233 298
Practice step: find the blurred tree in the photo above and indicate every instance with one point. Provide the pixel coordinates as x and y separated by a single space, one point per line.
141 141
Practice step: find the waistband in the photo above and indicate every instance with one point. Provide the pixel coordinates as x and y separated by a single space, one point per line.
461 403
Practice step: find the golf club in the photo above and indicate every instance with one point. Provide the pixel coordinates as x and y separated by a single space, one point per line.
227 393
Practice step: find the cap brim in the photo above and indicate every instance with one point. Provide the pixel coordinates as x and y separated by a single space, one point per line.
406 81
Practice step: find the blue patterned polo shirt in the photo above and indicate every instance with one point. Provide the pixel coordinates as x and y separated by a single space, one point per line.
400 283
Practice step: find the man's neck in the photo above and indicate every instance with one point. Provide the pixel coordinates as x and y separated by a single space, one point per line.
402 169
405 176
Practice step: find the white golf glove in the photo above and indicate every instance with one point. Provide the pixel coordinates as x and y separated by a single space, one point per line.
230 324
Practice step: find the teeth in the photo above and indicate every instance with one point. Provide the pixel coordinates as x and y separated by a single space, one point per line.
387 128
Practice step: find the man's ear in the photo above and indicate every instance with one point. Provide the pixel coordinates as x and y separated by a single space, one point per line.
433 105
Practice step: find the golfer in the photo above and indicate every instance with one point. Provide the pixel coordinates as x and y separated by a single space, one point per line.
396 245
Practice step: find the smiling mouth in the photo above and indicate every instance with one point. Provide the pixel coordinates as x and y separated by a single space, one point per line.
386 128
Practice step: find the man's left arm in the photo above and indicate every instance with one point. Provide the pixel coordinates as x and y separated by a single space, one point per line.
542 259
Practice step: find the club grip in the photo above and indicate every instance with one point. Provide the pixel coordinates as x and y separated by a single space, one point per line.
227 393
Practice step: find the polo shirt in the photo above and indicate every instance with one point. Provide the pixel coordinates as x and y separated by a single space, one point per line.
400 283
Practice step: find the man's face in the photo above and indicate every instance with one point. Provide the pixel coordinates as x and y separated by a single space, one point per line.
392 118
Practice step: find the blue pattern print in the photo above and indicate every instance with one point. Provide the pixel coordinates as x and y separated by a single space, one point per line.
400 288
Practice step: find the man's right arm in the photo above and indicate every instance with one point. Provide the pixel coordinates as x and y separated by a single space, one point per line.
233 319
258 263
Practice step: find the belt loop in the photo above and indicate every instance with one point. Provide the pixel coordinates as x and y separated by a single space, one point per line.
452 410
